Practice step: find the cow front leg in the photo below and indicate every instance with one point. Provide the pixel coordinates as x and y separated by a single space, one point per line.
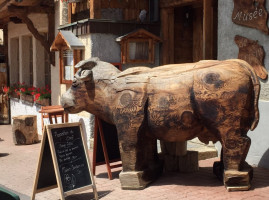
140 163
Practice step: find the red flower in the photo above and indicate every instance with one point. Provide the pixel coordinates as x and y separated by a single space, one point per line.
37 97
23 90
6 89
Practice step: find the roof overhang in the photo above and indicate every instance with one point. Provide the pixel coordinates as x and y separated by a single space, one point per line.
66 40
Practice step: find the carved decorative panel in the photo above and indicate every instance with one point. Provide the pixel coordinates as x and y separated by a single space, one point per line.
251 13
253 53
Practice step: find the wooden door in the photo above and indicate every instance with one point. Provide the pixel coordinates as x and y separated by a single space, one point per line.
189 31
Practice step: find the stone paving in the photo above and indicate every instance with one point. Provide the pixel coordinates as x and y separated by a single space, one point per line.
18 166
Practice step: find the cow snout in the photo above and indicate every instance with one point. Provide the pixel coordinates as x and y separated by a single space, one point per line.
67 101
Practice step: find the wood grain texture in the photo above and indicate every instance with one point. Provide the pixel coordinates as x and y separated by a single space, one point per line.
211 100
251 13
24 129
253 53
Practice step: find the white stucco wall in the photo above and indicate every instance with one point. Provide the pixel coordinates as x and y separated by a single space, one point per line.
227 49
21 32
20 108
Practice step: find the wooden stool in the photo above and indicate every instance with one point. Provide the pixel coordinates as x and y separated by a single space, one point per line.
24 129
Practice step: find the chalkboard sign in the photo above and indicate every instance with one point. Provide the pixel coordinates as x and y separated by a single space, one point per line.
64 146
71 158
47 177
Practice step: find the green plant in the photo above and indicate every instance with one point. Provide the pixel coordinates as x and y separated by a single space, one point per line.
42 93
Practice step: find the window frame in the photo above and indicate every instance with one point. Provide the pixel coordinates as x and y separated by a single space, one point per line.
77 56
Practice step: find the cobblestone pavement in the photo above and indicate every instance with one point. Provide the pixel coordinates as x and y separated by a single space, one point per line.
18 167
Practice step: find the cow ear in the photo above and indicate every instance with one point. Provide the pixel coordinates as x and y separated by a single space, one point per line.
86 75
87 64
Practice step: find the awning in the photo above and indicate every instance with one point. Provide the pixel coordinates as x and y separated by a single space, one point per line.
66 40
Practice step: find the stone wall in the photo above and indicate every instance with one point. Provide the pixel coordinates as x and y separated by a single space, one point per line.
227 30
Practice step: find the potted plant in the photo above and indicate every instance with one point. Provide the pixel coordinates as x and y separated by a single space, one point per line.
12 91
27 93
42 96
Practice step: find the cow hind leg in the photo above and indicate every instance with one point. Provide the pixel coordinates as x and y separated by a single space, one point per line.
237 174
235 148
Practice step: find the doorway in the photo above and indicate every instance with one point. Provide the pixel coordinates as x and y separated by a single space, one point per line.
189 31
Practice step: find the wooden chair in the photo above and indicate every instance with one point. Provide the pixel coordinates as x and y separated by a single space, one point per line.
53 112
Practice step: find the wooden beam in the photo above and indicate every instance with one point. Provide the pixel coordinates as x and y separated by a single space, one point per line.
208 37
51 35
35 32
95 9
5 3
34 9
175 3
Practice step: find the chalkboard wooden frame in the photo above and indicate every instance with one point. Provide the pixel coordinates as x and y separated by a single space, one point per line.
99 134
48 139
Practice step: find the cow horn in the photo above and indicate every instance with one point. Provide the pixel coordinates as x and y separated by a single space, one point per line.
88 64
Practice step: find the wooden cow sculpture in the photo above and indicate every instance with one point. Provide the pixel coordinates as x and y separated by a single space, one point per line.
211 100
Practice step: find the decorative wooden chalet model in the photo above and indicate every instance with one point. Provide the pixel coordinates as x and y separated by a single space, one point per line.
138 47
70 48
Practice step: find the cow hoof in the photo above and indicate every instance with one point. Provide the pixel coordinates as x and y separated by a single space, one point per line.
138 180
238 180
133 180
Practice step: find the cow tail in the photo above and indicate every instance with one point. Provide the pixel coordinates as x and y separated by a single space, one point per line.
256 86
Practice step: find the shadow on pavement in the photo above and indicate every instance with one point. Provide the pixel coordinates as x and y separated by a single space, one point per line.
115 174
88 195
4 154
205 178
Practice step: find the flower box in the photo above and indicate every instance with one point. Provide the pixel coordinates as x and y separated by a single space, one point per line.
43 102
14 95
28 98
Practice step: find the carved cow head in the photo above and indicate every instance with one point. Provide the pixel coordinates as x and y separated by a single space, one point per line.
79 96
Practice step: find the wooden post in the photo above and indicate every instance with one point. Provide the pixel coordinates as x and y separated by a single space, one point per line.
95 9
208 30
51 35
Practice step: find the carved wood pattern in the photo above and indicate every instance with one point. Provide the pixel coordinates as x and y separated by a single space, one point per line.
251 13
253 53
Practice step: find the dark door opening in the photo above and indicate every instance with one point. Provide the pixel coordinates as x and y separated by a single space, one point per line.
188 33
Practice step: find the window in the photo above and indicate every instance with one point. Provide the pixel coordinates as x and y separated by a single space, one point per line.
68 59
138 51
138 47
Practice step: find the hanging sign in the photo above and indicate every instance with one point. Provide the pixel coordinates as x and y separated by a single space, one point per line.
251 13
253 53
64 161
